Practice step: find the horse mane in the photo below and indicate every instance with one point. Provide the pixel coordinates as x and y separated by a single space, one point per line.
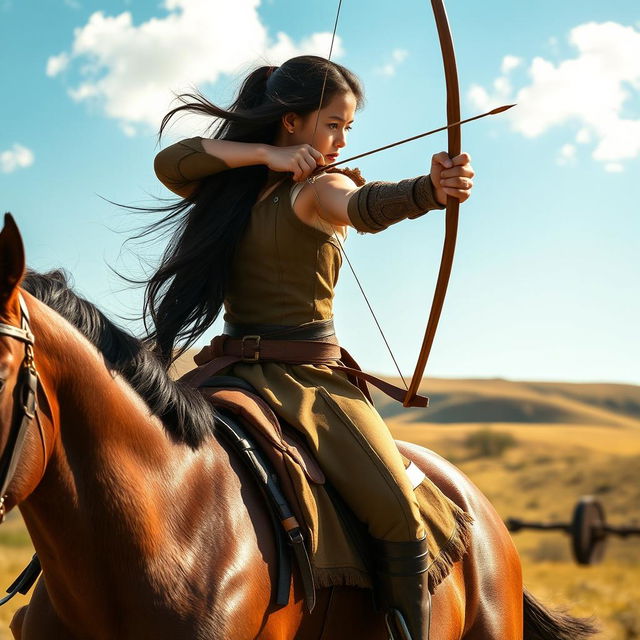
186 415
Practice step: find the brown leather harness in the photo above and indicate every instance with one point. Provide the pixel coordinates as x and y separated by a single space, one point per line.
27 388
256 346
27 411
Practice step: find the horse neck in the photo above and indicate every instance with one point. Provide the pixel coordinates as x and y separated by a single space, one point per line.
110 493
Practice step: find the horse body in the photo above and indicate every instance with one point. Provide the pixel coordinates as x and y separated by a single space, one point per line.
142 535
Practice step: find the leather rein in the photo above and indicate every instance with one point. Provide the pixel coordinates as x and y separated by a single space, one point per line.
27 387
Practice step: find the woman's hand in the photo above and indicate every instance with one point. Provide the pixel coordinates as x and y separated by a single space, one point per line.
452 177
301 160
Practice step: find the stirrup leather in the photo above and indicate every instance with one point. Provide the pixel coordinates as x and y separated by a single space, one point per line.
397 626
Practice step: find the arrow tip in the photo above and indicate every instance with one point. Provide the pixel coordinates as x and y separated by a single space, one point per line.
501 109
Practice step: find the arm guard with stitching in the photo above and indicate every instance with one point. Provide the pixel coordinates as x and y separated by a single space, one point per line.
378 205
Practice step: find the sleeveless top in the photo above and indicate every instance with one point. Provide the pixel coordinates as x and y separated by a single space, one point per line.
284 271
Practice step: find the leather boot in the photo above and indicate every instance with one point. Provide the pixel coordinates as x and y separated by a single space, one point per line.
402 579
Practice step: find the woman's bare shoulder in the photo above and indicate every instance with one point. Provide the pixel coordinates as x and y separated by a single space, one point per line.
338 180
353 174
326 196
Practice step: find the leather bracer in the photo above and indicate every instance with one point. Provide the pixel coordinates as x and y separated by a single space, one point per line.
378 205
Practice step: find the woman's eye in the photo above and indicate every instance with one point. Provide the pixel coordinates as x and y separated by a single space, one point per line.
335 126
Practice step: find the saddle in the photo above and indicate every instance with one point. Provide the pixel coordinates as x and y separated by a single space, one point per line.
284 469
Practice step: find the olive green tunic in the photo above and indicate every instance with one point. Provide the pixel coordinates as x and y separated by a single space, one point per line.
284 273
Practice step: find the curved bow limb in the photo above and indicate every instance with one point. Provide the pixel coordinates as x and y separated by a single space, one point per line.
453 204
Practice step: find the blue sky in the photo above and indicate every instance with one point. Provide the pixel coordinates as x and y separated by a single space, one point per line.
545 281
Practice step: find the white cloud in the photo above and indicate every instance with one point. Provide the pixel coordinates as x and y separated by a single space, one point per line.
389 68
56 64
18 157
590 92
584 136
567 154
509 63
133 71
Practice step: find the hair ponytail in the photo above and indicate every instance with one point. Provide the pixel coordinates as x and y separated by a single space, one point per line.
253 89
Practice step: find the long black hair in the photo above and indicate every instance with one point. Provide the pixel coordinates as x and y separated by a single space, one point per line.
184 295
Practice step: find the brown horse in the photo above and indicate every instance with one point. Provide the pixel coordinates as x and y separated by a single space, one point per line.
148 527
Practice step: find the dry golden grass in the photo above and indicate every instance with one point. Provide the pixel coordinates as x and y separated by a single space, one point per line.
555 460
15 553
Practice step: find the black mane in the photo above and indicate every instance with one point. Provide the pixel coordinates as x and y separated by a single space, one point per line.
187 416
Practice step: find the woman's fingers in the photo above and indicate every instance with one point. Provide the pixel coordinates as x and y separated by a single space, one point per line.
458 194
452 176
457 182
307 159
317 156
442 159
465 171
461 168
463 158
304 167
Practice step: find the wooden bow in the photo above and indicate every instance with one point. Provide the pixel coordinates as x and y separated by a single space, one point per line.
453 205
411 397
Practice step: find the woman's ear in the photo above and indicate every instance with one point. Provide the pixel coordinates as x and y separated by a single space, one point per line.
289 121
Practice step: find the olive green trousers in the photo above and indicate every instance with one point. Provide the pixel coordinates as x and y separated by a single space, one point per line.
351 442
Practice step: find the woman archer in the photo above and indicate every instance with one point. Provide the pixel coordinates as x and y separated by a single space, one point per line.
255 234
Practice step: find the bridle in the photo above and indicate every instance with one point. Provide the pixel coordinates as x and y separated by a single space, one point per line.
27 387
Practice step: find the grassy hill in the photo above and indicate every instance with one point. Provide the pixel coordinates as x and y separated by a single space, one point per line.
497 400
563 441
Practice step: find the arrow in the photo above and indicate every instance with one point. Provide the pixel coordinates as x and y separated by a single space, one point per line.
493 112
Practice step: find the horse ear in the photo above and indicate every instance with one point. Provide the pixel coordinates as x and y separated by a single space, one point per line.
12 262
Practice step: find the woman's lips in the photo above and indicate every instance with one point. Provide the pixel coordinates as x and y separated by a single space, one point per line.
332 156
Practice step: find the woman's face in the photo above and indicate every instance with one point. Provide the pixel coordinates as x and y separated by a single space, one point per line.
334 120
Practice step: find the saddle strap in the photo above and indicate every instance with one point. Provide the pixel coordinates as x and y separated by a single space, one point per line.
24 581
224 351
269 485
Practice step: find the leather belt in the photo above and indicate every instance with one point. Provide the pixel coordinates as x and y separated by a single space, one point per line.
224 351
322 330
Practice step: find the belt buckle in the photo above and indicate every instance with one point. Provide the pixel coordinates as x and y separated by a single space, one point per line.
256 349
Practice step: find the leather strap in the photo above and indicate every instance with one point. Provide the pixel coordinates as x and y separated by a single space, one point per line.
24 581
27 387
225 351
318 330
268 483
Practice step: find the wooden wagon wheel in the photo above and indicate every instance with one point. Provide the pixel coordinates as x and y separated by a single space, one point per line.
588 530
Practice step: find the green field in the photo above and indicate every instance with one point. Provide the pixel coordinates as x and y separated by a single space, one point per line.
579 440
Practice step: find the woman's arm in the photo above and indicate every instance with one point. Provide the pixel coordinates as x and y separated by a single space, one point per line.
180 166
377 205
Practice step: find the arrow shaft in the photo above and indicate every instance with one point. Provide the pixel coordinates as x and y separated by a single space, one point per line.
411 139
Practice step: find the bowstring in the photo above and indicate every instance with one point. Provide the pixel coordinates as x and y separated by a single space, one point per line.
325 223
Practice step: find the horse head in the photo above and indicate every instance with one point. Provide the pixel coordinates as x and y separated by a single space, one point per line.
18 377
